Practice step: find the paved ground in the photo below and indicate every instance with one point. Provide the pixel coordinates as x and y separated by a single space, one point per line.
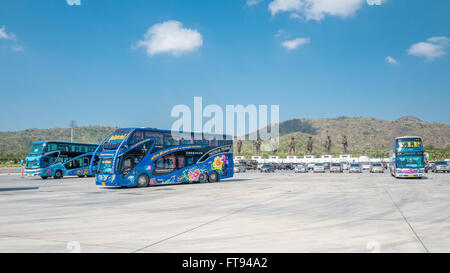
281 212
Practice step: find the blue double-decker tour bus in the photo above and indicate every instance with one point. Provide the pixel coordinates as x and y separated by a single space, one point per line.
139 157
407 157
58 159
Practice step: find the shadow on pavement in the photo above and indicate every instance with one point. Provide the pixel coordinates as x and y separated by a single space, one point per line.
19 189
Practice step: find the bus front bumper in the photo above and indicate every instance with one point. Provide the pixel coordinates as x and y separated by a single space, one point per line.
408 173
32 172
107 180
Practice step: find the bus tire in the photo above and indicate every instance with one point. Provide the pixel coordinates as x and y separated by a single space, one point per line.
58 174
142 181
203 178
214 177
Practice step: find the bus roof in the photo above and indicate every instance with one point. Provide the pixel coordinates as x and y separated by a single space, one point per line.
408 137
170 131
63 142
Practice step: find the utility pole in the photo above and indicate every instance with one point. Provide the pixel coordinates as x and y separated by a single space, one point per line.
72 125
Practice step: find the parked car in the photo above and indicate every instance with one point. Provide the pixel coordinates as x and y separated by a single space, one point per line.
440 166
276 166
336 168
365 166
345 165
240 168
429 166
289 166
301 168
355 168
319 168
267 168
376 168
252 164
259 165
326 165
310 166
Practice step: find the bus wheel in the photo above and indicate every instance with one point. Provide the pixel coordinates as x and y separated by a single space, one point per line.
203 178
142 181
58 174
213 177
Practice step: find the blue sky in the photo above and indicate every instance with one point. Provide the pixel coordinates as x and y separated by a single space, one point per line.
94 62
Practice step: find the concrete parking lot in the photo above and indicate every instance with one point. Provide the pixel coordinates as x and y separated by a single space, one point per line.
253 212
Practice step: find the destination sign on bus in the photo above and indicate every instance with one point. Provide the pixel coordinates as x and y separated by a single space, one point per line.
404 145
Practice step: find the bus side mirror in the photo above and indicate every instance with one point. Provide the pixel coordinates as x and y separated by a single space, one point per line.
21 162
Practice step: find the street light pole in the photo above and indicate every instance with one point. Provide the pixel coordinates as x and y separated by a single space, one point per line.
72 124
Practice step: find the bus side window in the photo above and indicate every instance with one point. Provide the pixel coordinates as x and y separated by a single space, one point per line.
137 136
73 148
189 161
46 162
165 165
82 149
86 161
51 147
180 160
63 147
169 140
155 135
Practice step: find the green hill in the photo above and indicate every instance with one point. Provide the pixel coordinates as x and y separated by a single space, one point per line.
15 145
365 136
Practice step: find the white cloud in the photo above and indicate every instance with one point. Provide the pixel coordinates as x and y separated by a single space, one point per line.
390 60
253 2
73 2
170 37
293 44
318 9
5 35
431 49
277 6
280 32
17 48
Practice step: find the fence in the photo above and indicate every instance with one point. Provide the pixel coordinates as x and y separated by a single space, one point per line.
11 171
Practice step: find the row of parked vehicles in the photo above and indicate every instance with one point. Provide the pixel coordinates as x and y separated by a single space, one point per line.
438 166
339 167
332 167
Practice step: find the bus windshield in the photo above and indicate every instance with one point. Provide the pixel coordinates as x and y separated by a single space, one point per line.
118 136
37 149
106 165
410 162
